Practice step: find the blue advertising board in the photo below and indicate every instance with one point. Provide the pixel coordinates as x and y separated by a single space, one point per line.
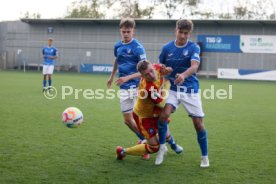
96 68
219 43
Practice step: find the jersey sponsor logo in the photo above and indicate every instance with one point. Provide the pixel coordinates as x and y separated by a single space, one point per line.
129 51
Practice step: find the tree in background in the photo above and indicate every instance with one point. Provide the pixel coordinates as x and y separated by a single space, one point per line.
28 15
86 9
136 9
193 6
240 11
252 10
170 6
192 9
259 9
111 8
179 8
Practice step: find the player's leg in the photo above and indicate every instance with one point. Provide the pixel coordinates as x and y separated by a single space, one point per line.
126 105
127 102
151 146
44 72
129 121
148 128
49 81
171 105
50 73
143 131
162 132
192 104
163 122
202 139
170 140
145 156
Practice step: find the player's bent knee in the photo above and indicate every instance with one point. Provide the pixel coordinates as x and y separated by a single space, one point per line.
127 122
198 123
128 119
152 148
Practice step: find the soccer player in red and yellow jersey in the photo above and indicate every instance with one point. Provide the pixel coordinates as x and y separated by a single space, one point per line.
151 99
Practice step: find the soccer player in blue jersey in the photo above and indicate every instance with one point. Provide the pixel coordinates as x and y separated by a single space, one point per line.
49 53
182 55
128 53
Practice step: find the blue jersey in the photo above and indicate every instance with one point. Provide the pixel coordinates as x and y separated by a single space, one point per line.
179 58
127 57
49 51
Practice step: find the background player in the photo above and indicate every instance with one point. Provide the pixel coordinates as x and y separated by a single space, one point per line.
128 53
183 56
50 53
147 109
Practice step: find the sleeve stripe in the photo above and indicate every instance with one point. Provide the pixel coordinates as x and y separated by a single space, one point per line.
195 60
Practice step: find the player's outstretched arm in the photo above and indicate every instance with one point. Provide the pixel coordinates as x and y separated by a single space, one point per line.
110 80
122 80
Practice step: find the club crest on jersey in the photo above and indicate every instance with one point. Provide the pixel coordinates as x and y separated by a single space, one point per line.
196 55
185 52
151 131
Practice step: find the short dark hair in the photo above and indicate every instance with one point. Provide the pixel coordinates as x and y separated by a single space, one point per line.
142 65
127 22
185 24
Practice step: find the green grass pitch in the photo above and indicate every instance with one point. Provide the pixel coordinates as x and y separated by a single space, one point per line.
37 148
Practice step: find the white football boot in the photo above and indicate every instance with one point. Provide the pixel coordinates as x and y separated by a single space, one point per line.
160 155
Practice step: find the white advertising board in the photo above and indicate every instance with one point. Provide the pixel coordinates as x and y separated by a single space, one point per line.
269 75
257 44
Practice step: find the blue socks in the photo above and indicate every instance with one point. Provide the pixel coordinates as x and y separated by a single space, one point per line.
171 141
44 83
203 142
162 131
140 136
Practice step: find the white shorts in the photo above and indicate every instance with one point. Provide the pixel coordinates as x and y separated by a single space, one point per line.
48 69
127 100
191 102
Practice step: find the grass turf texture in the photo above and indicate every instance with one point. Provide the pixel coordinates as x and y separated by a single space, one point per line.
37 148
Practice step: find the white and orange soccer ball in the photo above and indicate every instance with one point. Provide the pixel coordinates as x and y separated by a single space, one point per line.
72 117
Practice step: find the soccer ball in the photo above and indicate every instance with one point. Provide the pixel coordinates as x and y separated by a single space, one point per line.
72 117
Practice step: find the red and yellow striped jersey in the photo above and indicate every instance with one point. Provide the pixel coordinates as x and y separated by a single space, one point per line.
150 99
